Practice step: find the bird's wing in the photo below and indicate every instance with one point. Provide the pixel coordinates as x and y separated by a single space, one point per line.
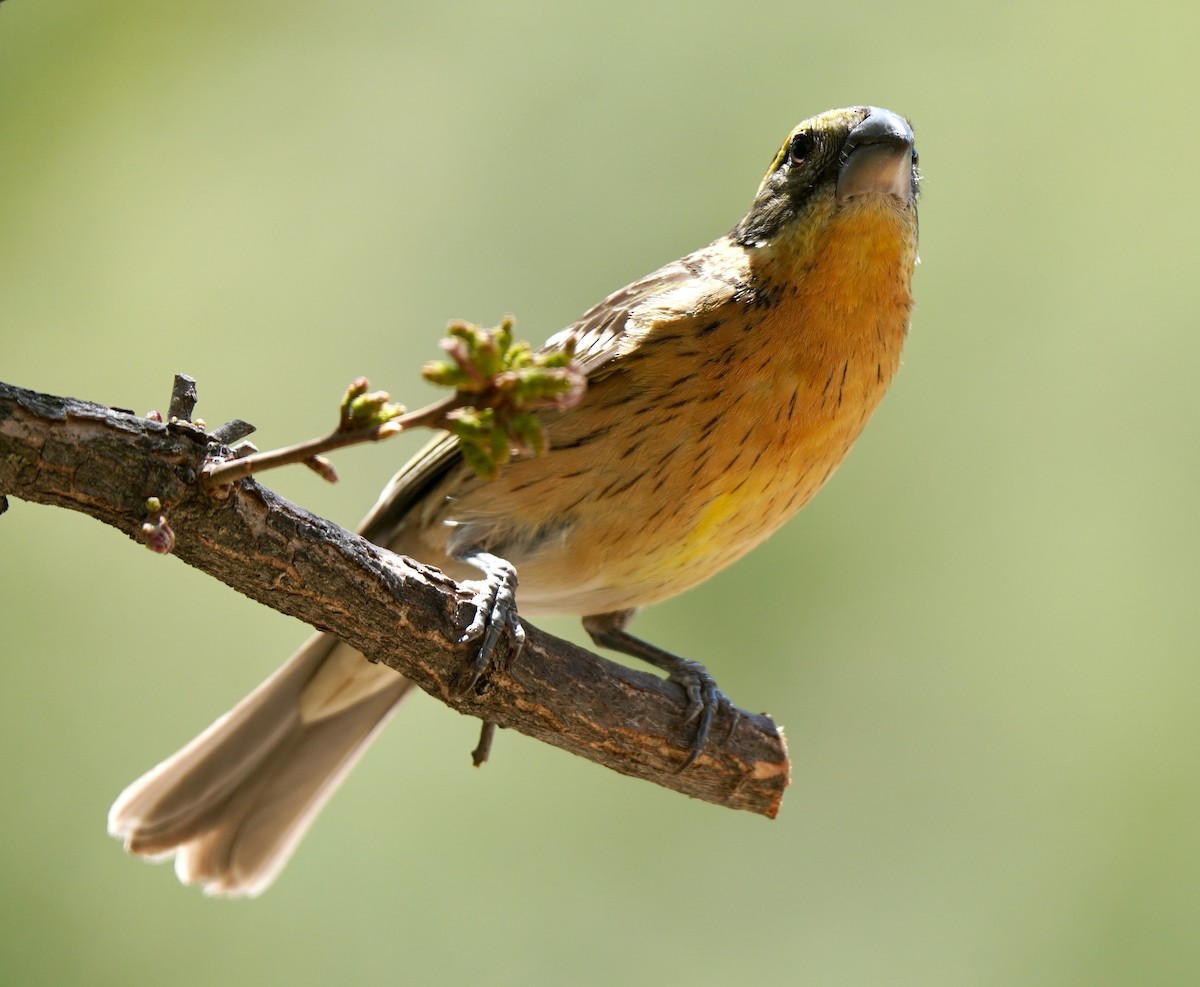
601 330
431 462
601 334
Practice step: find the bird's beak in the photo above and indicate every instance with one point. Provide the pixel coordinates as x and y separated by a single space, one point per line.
878 157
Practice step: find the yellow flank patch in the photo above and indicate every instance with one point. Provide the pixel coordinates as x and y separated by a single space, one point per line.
709 524
707 542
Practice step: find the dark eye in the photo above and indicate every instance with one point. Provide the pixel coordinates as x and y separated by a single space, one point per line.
802 146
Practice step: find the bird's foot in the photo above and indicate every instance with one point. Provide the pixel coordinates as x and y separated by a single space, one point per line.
496 618
704 699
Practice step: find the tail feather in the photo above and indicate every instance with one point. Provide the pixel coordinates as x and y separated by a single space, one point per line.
233 804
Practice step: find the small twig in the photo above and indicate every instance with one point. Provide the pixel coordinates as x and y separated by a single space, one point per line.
183 398
219 474
499 385
483 750
231 432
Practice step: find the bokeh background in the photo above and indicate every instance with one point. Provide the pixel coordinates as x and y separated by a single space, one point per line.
981 639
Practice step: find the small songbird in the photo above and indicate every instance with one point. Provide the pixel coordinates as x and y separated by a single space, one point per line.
723 390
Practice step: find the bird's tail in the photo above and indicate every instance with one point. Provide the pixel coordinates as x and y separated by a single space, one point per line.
232 805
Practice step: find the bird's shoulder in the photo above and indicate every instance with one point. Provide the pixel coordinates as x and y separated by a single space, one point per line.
700 283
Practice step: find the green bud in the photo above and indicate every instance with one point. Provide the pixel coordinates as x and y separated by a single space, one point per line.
443 374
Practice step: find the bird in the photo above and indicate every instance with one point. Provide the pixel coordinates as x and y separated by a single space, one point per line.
723 390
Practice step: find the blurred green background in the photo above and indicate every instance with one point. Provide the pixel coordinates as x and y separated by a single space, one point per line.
981 639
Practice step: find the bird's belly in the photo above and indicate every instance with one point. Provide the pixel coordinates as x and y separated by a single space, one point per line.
729 490
657 482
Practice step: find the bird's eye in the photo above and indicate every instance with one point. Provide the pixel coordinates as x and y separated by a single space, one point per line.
802 145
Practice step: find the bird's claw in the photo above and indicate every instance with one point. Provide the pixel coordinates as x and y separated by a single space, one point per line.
704 700
494 599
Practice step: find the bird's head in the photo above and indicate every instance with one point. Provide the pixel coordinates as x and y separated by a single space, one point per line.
844 166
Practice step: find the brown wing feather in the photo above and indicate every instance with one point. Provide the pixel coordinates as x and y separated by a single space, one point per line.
598 334
600 330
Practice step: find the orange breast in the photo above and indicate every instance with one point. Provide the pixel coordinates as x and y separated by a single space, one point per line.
709 433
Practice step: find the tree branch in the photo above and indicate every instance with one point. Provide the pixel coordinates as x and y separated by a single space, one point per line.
108 463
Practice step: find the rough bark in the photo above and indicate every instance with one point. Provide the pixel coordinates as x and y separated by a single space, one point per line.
106 463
